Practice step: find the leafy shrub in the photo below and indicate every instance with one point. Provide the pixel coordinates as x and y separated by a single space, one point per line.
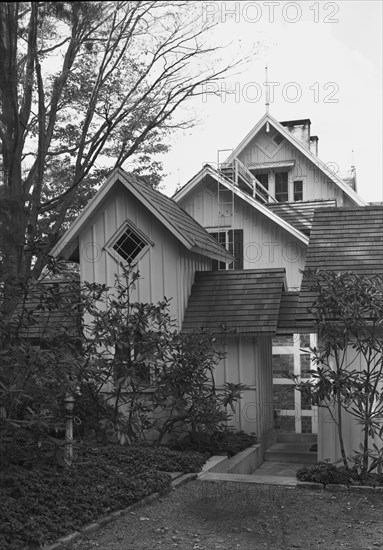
149 352
40 505
132 346
92 413
225 441
324 472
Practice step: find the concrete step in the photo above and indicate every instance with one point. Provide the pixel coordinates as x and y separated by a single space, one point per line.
286 452
284 469
251 478
294 438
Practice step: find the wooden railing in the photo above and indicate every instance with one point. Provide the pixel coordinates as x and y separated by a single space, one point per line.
236 170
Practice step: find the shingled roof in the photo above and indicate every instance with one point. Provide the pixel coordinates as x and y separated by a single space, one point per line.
165 209
244 300
50 308
299 214
343 239
287 313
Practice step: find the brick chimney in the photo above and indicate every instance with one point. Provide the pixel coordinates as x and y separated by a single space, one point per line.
300 129
314 145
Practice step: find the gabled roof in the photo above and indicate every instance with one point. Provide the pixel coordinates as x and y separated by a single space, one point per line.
306 152
299 214
207 170
343 239
246 301
185 228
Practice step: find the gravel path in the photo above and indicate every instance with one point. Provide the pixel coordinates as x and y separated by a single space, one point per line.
226 516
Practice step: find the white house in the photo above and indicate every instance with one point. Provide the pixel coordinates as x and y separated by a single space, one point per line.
129 222
259 203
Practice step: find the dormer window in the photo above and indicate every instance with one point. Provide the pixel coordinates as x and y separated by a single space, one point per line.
298 190
281 187
128 244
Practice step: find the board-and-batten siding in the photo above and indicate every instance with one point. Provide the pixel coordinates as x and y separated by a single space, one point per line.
248 362
167 269
328 447
266 245
316 185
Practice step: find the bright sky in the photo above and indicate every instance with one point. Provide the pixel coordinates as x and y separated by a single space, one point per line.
326 58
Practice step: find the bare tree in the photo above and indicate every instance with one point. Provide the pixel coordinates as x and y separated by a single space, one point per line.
81 83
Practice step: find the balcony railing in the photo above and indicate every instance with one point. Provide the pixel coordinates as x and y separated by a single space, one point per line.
236 172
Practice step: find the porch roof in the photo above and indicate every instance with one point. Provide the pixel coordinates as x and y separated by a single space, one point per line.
242 301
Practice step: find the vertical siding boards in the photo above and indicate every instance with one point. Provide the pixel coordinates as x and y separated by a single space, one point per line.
167 269
316 184
246 301
266 245
248 360
327 431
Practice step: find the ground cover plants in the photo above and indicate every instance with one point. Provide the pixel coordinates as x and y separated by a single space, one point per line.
40 503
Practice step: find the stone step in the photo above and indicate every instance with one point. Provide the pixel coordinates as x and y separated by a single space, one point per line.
287 437
285 452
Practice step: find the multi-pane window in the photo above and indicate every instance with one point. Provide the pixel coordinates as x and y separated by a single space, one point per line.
298 190
129 243
264 181
281 186
232 240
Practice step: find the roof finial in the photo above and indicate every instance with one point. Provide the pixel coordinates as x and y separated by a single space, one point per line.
267 94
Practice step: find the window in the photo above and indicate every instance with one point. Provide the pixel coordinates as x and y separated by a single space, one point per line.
232 240
281 187
278 138
129 243
298 190
263 180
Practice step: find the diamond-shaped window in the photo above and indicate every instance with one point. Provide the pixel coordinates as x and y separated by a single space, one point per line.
129 243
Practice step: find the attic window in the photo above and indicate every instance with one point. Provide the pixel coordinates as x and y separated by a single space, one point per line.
278 139
129 243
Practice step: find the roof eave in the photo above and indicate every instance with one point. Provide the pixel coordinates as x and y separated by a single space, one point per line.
181 193
69 241
208 170
73 231
225 256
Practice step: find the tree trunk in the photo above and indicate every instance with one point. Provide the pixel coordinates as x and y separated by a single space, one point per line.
340 429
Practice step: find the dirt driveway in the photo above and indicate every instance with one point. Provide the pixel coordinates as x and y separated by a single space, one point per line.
226 516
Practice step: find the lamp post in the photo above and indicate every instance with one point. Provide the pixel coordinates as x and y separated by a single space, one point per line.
68 451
